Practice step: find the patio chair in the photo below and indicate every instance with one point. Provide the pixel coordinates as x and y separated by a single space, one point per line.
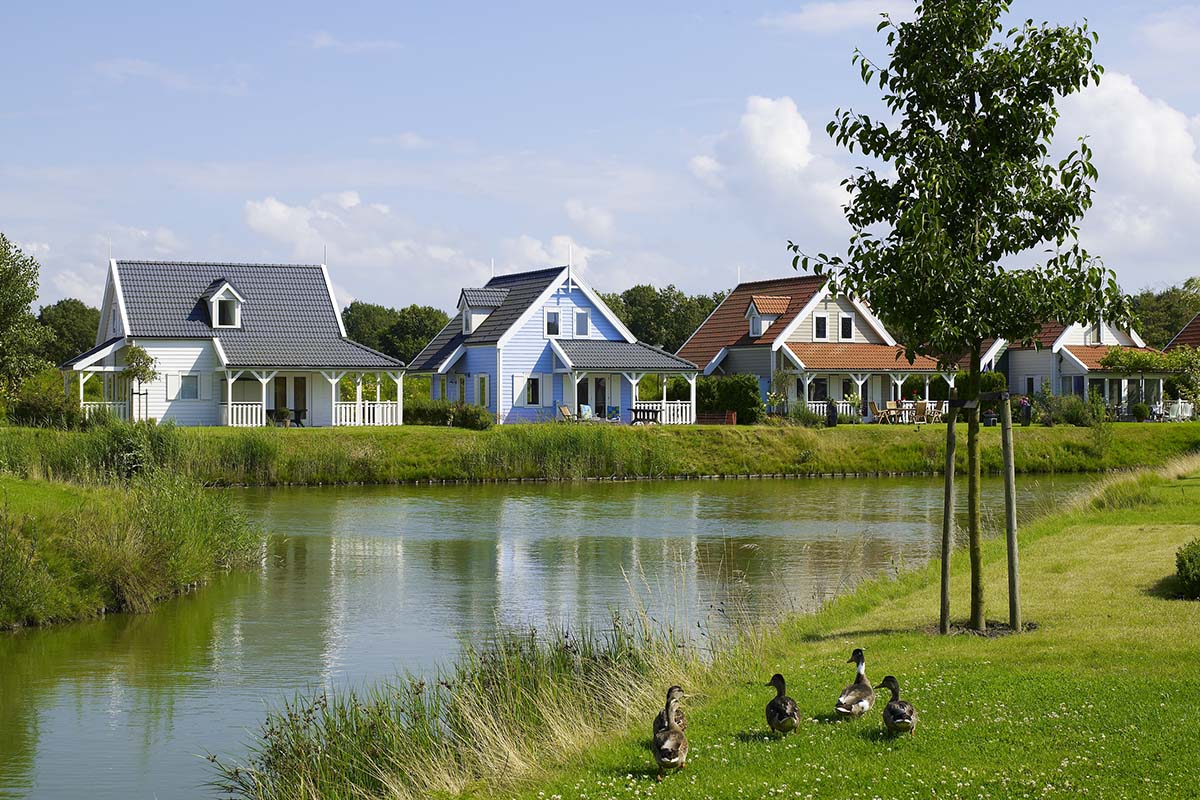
895 411
920 416
566 414
933 413
881 416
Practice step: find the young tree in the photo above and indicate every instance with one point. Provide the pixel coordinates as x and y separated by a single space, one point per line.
1162 314
366 323
969 186
662 317
21 337
72 328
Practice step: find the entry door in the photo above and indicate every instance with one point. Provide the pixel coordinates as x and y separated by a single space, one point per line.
300 399
281 400
584 394
601 404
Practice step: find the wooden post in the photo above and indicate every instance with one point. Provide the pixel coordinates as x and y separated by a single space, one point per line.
948 514
1010 514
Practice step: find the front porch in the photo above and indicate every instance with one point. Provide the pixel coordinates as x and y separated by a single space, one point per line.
860 395
290 397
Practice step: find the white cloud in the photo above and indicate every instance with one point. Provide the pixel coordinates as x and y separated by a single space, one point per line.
831 17
1175 30
526 252
406 140
323 40
594 220
122 70
1148 195
76 266
707 170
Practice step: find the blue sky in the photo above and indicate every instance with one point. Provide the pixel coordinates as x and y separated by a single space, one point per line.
415 144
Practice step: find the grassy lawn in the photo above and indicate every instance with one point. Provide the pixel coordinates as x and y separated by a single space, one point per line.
1101 700
576 452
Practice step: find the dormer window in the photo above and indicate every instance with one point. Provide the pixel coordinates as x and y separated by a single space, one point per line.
476 305
224 304
763 311
759 325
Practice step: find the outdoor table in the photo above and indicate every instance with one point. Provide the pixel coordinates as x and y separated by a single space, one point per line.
643 415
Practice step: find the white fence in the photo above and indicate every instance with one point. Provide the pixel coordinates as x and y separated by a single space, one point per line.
844 407
373 413
673 412
243 415
902 412
119 409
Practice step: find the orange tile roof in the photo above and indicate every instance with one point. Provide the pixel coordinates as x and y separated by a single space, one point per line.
727 326
858 357
1190 335
1046 338
1090 354
769 304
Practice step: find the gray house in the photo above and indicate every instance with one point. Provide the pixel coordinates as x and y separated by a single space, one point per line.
231 344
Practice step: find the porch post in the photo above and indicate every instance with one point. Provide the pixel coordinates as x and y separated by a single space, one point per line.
927 388
228 398
691 379
263 378
664 397
82 380
377 382
334 396
358 415
398 377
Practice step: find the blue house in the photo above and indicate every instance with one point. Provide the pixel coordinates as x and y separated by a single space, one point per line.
532 345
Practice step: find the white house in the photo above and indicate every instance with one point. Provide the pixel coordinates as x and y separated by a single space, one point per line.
527 345
231 344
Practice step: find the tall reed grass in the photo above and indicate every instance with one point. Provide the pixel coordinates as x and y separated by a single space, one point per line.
569 452
117 548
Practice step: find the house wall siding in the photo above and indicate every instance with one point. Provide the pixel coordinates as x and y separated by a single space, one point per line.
833 308
173 359
1030 363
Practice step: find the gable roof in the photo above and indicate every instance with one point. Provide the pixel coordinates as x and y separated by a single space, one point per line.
487 297
288 314
1090 355
216 286
618 356
726 326
1189 336
522 289
770 304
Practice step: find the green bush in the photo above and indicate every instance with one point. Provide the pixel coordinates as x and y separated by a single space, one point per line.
801 414
1187 567
717 395
36 406
1141 412
428 412
475 418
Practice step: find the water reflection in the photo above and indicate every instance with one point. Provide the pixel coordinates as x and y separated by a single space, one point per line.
357 583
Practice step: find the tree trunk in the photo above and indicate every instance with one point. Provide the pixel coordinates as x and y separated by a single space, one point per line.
948 516
975 534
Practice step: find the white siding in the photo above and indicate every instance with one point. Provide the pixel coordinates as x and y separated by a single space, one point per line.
1023 364
171 360
833 308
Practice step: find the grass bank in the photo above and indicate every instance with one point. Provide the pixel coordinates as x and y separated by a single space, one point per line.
69 552
563 452
1099 699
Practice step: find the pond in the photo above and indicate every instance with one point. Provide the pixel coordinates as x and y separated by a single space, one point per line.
359 583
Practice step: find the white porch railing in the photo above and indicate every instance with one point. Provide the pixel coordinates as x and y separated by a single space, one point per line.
119 409
373 413
243 415
844 407
673 412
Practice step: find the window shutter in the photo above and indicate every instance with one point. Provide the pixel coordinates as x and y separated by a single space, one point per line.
172 384
205 386
547 390
519 390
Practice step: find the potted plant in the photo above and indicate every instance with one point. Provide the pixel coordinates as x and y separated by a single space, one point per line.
1141 412
284 417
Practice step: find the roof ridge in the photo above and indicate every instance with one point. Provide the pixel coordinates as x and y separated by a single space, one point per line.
143 262
526 275
791 279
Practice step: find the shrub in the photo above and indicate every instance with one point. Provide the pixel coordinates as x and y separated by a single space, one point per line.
1187 567
740 393
428 412
801 414
476 418
39 405
1141 412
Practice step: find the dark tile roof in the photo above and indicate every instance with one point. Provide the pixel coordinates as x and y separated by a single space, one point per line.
1190 335
72 362
484 298
619 356
288 318
217 283
522 289
727 326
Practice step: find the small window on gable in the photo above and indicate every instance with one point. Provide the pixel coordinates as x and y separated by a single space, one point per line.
820 328
846 333
583 322
552 317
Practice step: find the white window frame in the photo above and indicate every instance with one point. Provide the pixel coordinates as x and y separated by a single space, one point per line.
546 322
466 321
815 337
182 378
526 401
460 387
442 388
586 313
755 326
842 317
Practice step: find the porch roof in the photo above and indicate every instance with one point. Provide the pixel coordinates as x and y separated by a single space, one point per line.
619 356
1090 355
242 353
86 354
857 357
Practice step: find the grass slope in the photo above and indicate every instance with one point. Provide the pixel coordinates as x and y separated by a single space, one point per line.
1102 700
566 452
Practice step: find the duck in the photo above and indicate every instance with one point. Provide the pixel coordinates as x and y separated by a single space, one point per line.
660 722
670 744
899 716
782 714
857 698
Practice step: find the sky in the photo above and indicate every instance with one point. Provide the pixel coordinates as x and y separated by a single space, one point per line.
414 146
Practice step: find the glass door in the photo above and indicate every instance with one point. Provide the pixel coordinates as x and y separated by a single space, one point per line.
299 400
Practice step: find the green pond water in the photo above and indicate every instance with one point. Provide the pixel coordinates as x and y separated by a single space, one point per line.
359 583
